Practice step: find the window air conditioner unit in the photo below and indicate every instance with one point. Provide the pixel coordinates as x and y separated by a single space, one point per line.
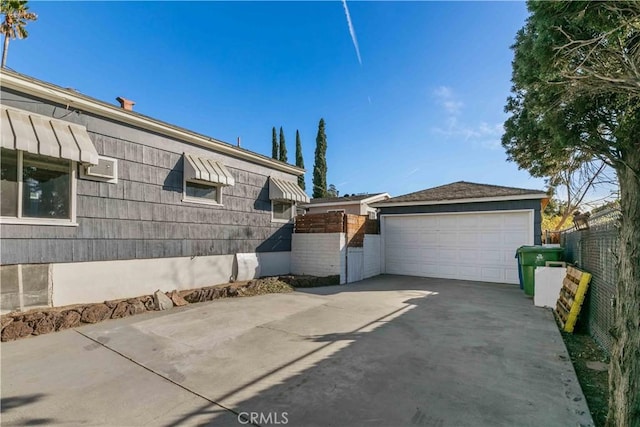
105 170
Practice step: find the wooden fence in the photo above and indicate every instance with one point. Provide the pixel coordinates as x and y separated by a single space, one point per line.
354 226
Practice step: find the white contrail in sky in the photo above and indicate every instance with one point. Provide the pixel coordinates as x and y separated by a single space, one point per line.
352 30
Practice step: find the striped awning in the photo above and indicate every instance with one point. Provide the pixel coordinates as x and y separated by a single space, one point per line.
37 134
280 189
204 169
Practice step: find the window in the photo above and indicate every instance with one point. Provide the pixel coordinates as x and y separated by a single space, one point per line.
282 211
201 192
284 194
36 188
203 180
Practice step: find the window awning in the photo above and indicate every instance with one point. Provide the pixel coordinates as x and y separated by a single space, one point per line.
37 134
204 169
280 189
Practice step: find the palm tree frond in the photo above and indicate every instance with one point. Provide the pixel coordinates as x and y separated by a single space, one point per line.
16 16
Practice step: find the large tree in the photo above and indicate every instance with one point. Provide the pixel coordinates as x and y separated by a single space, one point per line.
300 160
332 191
275 151
16 14
576 95
283 147
580 185
320 165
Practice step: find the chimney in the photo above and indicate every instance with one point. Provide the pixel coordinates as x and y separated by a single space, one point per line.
238 141
125 103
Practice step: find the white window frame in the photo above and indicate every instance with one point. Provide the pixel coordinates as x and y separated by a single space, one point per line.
198 200
19 219
293 210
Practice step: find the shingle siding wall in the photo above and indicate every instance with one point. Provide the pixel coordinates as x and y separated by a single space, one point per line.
476 207
143 216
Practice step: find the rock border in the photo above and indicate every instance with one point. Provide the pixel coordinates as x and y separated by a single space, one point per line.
16 325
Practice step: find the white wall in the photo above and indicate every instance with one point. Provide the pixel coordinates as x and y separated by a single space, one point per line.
372 255
87 282
319 254
355 264
324 254
274 263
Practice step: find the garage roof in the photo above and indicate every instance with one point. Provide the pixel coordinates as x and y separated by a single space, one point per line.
462 192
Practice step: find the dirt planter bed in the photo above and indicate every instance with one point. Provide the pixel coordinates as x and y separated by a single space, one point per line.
17 325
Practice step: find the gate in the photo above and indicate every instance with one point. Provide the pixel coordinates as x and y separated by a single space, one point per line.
355 264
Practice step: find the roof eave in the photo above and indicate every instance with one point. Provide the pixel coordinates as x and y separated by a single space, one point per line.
321 205
48 91
376 196
348 202
531 196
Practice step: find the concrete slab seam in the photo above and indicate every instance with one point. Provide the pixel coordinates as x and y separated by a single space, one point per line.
162 376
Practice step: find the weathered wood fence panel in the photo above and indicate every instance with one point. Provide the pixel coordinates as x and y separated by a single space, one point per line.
330 222
354 226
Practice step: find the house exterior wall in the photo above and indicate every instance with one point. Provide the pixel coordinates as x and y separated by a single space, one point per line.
476 207
353 209
137 235
145 276
142 216
103 281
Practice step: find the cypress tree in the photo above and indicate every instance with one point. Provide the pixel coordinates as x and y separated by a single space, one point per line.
283 147
299 160
274 144
320 166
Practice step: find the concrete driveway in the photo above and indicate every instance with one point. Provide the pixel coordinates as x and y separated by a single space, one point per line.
388 351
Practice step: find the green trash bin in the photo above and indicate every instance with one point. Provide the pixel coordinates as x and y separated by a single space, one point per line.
531 257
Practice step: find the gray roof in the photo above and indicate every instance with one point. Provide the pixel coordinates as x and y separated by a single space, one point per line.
461 190
354 198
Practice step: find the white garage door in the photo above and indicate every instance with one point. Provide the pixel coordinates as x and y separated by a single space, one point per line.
468 246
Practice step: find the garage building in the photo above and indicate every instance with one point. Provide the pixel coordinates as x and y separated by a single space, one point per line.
462 230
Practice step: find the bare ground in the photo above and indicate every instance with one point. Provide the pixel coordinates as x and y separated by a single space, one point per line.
595 383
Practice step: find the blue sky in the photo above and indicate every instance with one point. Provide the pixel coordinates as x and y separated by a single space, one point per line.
423 108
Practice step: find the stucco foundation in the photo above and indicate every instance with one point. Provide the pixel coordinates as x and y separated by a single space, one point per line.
87 282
